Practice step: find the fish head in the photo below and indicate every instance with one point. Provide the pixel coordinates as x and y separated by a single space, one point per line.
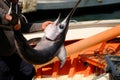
57 30
53 30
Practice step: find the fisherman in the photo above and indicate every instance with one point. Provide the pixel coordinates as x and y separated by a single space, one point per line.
12 67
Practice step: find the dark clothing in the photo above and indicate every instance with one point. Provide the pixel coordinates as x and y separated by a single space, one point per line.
12 67
6 36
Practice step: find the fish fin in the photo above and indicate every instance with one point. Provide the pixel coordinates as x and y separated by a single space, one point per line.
62 56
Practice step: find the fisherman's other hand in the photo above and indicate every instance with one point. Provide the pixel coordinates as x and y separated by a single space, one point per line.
45 24
17 27
8 17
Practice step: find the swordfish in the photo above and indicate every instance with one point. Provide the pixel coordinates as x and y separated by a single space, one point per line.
50 45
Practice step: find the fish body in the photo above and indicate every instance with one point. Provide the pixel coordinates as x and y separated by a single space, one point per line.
49 46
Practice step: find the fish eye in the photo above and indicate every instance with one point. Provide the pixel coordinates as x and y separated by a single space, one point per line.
61 26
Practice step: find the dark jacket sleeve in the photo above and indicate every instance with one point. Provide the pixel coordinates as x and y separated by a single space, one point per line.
2 13
3 10
26 27
29 27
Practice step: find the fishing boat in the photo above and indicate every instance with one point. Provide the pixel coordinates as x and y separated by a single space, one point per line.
92 52
32 5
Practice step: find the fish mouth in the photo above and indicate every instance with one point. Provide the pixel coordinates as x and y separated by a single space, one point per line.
67 19
65 23
56 22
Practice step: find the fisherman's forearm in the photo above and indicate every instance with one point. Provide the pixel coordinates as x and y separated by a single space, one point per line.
31 27
3 16
36 27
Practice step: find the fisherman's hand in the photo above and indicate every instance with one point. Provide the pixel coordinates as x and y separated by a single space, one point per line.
8 17
45 24
17 27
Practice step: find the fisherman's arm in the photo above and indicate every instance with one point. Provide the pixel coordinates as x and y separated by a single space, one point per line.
2 13
34 27
5 18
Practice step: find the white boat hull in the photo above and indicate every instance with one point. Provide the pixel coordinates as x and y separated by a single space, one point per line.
84 29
